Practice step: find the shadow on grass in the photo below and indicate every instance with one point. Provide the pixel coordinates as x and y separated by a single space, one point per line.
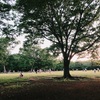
72 78
54 88
41 79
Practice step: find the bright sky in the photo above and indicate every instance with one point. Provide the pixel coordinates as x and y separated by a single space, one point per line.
16 49
21 39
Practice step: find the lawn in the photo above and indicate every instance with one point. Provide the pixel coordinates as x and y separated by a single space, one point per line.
50 86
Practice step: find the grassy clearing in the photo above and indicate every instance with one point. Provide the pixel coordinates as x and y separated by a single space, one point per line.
14 77
8 78
87 74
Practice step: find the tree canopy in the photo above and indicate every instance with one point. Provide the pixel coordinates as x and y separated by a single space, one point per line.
7 19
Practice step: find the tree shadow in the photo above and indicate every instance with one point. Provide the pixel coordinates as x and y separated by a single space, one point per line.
72 78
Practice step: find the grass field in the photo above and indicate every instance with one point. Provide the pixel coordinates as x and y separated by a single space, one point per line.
46 86
4 77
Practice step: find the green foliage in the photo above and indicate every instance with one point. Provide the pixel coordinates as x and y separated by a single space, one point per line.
4 43
58 65
30 59
54 50
7 19
82 65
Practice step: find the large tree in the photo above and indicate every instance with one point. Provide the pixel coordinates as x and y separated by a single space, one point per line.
73 25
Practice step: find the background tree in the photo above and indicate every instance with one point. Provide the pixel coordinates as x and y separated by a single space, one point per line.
70 24
17 62
12 62
4 43
7 29
36 57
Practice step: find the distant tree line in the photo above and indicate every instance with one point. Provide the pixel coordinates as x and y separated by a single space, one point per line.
20 62
82 65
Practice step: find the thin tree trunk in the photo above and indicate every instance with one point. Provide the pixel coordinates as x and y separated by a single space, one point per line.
66 68
4 68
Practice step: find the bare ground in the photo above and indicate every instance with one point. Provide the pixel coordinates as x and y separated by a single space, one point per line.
52 89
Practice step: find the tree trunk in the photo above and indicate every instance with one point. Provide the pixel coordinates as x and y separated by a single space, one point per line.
4 68
66 68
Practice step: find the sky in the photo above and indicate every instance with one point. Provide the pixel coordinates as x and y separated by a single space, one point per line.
20 45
